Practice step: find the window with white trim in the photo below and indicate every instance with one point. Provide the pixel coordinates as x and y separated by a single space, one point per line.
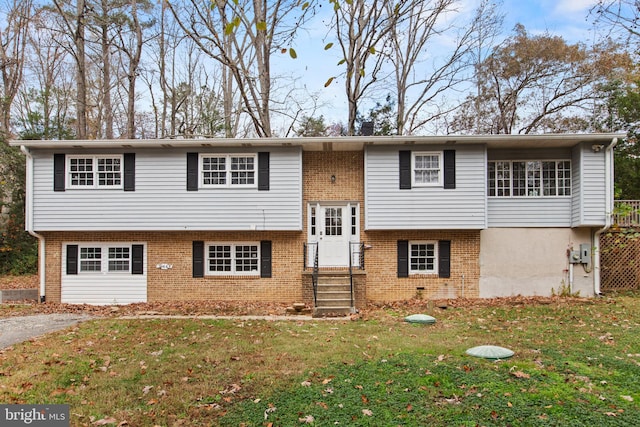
233 259
107 259
531 178
228 170
426 168
104 171
423 257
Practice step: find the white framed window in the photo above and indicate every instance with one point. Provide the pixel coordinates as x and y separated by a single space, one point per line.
423 257
228 170
104 259
233 259
426 169
103 171
531 178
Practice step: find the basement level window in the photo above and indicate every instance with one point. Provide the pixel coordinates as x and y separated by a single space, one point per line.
233 259
423 257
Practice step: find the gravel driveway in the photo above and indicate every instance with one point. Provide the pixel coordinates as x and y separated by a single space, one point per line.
18 329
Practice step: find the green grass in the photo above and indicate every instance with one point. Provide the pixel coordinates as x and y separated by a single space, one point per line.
576 363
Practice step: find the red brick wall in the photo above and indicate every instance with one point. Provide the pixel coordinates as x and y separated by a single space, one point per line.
177 283
381 266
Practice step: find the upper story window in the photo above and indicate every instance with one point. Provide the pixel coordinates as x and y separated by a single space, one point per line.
426 168
532 178
104 171
225 170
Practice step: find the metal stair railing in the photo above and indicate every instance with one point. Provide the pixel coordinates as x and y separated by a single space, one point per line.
313 246
360 264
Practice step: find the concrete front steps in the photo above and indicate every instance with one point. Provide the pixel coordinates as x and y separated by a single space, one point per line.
333 298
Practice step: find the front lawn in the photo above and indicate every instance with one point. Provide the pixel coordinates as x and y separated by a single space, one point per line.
577 362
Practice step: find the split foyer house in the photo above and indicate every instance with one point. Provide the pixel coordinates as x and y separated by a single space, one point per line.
333 222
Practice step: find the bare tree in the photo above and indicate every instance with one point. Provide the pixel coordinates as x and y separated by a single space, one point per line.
13 42
74 22
242 36
622 16
422 25
44 107
130 42
361 29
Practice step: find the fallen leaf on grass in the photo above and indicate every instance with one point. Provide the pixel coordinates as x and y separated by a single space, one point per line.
520 374
627 398
307 420
367 412
105 421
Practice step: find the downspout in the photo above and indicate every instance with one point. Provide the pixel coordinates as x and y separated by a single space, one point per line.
608 172
28 221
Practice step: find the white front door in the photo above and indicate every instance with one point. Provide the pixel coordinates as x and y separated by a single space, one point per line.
333 226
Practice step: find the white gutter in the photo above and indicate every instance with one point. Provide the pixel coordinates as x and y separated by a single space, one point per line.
28 221
608 172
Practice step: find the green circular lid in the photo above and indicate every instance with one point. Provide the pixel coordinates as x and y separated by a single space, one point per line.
490 352
420 318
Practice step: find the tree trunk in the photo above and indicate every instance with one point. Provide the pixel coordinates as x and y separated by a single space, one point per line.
134 62
81 83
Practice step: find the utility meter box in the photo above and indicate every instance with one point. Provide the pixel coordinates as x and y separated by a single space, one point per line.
585 253
574 257
581 256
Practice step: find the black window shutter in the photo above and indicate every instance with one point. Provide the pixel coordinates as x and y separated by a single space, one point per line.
449 168
263 171
72 259
403 258
405 170
192 171
198 258
59 172
444 258
265 258
137 259
130 172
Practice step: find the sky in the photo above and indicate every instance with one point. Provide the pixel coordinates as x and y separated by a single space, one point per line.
567 18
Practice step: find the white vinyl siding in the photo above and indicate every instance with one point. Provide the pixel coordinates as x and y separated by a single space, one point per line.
110 280
529 211
589 200
161 202
432 207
